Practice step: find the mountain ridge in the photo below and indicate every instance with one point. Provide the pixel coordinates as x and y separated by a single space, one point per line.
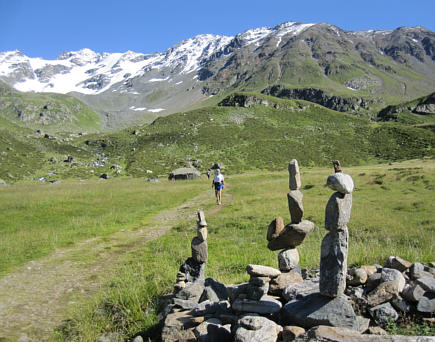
130 88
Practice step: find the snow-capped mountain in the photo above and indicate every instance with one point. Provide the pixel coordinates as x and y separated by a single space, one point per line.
130 86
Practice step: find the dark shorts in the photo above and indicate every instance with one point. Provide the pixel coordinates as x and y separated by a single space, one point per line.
217 187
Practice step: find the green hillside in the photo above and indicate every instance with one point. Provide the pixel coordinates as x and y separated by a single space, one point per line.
47 112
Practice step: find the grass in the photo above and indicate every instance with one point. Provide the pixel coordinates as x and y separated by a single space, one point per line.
393 214
38 218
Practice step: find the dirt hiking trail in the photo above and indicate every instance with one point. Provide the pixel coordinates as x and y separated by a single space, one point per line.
34 298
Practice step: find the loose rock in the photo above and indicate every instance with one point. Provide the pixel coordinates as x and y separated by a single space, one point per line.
262 271
384 313
294 175
275 228
295 205
340 182
288 259
338 210
291 236
256 329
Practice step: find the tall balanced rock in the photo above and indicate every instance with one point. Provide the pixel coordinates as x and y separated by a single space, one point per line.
334 249
287 237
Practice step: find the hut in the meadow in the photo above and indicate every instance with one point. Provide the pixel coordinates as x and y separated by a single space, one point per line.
184 173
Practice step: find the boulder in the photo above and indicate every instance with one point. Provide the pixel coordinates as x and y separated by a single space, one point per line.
417 271
294 175
192 291
390 274
316 309
288 259
398 263
278 284
384 292
214 291
212 330
356 276
427 284
300 290
401 305
413 293
426 304
251 328
333 263
262 271
295 205
291 236
199 250
266 305
275 228
384 313
178 326
338 210
340 182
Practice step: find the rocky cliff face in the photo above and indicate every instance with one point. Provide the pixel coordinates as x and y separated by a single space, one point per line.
422 106
338 103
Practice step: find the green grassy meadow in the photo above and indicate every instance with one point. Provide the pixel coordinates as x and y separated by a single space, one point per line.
393 214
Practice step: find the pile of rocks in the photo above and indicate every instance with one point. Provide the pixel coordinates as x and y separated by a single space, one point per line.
288 237
290 304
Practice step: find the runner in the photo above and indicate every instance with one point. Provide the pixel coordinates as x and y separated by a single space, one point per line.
218 182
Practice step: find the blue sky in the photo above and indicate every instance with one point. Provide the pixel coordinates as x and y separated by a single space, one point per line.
45 28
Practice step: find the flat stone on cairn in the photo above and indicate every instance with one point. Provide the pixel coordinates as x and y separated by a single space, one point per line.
334 250
291 236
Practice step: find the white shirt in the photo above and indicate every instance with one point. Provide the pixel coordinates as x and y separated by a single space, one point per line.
218 178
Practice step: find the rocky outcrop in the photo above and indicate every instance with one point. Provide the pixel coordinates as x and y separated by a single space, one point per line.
423 106
321 97
248 100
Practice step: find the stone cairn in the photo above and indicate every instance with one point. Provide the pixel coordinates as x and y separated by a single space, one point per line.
288 237
334 250
334 303
193 269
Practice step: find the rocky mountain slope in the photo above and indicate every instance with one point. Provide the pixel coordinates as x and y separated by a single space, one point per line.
376 67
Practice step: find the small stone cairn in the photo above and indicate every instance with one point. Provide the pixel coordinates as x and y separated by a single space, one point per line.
288 237
193 269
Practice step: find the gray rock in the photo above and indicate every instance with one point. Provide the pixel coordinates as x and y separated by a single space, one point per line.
278 284
259 281
214 291
266 305
199 250
294 175
202 233
255 292
376 331
316 309
401 304
288 259
398 263
356 276
338 210
333 263
373 281
137 339
370 269
291 236
185 304
212 308
256 329
192 291
275 228
384 313
340 182
413 293
262 271
201 219
384 292
295 205
427 283
323 333
178 327
234 291
426 303
291 332
300 290
363 323
212 330
417 271
193 270
390 274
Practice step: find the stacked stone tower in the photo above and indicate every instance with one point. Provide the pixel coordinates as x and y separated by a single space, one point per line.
286 238
334 250
193 268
